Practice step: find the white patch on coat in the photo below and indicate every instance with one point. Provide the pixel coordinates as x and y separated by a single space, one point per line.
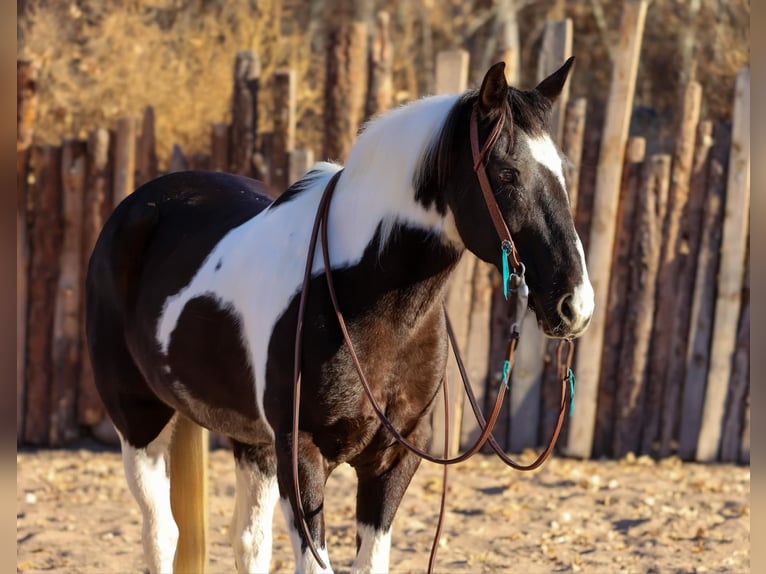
250 533
583 301
305 563
374 550
544 152
147 471
264 258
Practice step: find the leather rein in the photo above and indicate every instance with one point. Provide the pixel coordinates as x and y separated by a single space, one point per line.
518 290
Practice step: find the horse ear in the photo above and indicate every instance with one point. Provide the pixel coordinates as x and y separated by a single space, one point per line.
551 86
494 89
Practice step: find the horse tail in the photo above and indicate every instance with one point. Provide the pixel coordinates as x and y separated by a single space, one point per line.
188 494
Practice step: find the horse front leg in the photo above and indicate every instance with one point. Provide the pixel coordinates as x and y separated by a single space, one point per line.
382 484
312 476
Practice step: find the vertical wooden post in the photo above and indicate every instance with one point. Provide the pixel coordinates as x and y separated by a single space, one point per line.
730 274
639 312
507 45
244 112
26 110
618 294
452 77
97 194
345 76
556 48
670 264
66 322
45 243
380 87
703 301
601 242
299 162
499 329
177 161
744 447
688 249
572 143
284 127
219 147
124 160
146 149
739 387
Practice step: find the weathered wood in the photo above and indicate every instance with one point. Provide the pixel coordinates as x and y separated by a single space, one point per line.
526 386
601 244
451 71
572 144
299 162
618 294
556 48
380 86
688 249
219 147
739 385
671 258
244 112
639 312
744 448
499 329
45 244
730 273
65 360
703 301
476 357
123 183
26 103
199 161
177 161
345 75
507 46
22 280
284 127
97 196
146 149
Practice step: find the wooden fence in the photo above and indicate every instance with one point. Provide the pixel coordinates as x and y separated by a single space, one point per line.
664 367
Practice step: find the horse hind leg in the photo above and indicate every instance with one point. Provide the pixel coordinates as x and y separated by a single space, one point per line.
147 470
256 498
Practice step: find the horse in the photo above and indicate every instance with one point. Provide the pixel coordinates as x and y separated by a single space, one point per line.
192 298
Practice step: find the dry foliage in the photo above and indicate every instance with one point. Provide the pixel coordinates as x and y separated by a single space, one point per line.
100 60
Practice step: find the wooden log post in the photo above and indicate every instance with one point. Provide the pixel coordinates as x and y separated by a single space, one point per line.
688 249
123 183
730 274
298 163
451 78
66 345
601 244
618 294
244 113
671 258
219 147
97 195
639 311
284 128
739 387
177 161
572 144
345 75
556 49
380 87
146 149
45 246
26 110
744 447
697 356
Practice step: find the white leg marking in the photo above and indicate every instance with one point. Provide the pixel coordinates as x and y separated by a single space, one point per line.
374 551
257 495
305 563
147 471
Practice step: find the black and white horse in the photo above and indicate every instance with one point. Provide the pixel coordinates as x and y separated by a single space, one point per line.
192 297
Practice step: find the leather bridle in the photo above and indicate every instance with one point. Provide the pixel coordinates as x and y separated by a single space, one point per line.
518 291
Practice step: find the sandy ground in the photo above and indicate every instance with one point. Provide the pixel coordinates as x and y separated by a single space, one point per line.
75 514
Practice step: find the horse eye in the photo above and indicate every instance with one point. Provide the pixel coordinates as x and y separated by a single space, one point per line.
507 175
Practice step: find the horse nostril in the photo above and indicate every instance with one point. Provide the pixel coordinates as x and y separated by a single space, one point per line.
565 309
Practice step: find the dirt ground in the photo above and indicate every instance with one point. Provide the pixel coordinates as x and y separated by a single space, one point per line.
75 514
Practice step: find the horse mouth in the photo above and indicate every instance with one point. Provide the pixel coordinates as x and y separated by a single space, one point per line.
553 327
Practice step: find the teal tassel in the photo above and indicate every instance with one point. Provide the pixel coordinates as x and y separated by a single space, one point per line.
571 391
506 372
506 270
